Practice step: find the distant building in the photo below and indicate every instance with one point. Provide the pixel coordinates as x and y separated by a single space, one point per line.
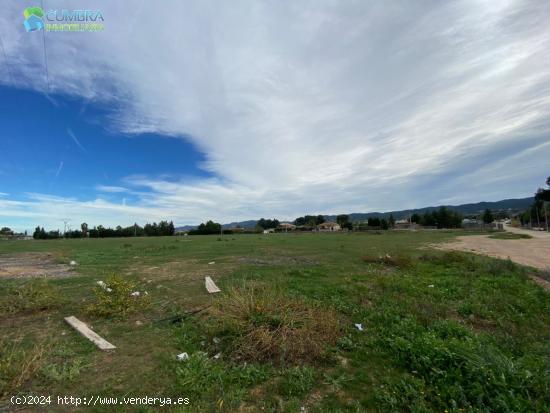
329 226
286 226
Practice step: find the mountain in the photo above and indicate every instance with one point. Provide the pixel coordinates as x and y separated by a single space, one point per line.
511 205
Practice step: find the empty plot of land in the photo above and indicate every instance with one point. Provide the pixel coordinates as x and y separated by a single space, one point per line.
533 252
32 265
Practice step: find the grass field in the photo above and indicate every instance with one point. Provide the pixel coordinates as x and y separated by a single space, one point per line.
442 331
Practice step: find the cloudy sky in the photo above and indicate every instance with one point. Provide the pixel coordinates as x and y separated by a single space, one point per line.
246 109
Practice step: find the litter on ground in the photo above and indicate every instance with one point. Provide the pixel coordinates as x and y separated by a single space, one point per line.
182 356
211 262
87 332
359 326
211 287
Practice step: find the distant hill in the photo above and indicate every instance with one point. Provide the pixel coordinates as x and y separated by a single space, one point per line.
512 205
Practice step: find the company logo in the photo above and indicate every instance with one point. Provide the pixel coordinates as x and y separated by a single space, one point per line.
63 20
33 19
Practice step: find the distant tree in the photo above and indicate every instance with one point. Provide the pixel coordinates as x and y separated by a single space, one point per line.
319 219
209 227
6 231
267 223
416 218
391 221
84 229
343 221
384 224
487 216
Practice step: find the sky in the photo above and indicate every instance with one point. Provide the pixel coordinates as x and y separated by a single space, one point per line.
198 110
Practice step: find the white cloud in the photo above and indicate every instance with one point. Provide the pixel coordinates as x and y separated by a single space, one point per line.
311 107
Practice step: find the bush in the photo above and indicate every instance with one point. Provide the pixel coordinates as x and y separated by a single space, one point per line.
269 326
32 296
114 298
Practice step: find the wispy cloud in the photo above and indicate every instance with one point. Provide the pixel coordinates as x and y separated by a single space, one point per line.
354 106
110 189
75 139
59 169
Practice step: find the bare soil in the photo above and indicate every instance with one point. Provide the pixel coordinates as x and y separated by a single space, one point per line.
32 265
533 252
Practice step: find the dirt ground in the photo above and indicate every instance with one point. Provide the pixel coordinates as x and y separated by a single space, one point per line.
534 252
32 265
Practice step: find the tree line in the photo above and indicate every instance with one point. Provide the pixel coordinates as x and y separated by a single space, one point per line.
163 228
538 212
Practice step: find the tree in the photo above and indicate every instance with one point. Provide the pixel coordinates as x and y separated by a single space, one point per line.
416 218
343 221
6 231
84 229
488 216
391 221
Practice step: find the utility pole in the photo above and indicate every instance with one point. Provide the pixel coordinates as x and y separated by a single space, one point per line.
545 215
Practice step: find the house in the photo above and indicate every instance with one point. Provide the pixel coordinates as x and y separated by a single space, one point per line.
286 226
329 226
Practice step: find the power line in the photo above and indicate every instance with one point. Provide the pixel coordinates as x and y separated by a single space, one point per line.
45 54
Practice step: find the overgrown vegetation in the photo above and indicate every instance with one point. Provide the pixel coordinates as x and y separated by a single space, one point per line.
18 364
510 235
266 325
118 297
440 330
30 296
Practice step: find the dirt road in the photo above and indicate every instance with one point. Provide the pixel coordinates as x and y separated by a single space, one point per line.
534 252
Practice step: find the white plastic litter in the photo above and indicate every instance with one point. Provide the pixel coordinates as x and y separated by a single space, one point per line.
211 262
103 285
431 286
217 356
216 340
73 262
359 326
135 294
182 356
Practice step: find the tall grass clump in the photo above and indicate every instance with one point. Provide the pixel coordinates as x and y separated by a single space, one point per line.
31 296
17 365
114 298
268 326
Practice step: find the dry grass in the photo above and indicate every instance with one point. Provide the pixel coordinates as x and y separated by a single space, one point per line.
18 365
388 260
269 326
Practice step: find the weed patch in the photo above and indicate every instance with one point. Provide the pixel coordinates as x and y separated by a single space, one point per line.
18 365
32 296
115 298
388 260
510 235
269 326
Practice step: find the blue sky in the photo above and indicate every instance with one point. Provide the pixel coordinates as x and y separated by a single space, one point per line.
353 107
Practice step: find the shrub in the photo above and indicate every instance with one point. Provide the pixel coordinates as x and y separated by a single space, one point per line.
32 296
114 299
269 326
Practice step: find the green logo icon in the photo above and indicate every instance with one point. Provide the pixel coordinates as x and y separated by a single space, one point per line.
33 19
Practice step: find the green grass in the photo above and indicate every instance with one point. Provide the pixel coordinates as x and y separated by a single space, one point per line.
442 330
510 235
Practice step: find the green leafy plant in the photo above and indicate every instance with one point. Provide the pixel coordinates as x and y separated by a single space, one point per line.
114 298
